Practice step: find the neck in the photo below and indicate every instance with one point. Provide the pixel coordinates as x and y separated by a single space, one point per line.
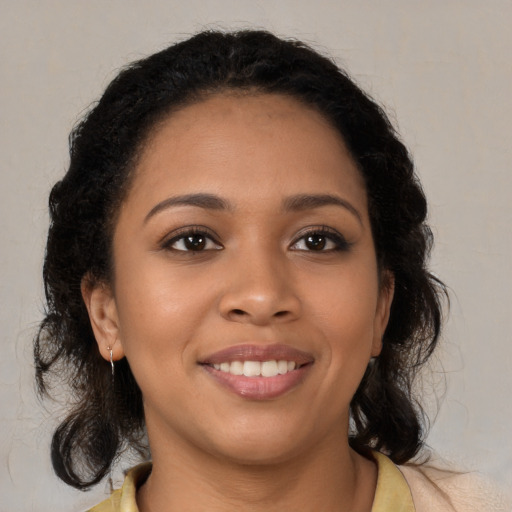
329 477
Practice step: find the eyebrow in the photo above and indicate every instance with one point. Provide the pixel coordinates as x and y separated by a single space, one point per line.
310 201
206 201
295 203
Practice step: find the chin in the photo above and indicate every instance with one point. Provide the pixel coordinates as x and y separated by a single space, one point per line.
263 445
259 453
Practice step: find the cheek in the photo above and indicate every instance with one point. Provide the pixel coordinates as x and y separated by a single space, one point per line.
149 293
158 315
344 309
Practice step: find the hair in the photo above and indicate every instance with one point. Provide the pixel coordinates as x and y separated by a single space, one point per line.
104 418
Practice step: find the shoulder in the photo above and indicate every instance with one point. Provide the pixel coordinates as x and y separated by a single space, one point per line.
436 489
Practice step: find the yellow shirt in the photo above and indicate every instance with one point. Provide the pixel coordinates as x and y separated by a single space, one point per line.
391 495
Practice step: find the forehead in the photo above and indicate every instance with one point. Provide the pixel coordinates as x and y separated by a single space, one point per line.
238 143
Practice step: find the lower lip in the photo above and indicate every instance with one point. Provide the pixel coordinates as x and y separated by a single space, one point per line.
259 388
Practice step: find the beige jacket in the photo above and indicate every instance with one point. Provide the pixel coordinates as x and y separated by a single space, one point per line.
435 490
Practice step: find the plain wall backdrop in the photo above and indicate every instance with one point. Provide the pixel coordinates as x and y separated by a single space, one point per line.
443 70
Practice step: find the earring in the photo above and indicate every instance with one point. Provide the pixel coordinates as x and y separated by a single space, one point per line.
111 361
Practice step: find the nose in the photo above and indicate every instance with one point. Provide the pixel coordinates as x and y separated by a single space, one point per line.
260 290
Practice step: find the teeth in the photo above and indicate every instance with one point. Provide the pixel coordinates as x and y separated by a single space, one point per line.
252 368
269 369
236 368
257 368
282 367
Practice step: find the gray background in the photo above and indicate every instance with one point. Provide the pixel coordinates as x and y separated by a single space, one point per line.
443 70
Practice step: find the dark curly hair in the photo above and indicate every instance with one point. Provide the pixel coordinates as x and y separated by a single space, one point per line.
105 418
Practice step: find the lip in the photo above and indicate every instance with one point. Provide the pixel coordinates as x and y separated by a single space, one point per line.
259 388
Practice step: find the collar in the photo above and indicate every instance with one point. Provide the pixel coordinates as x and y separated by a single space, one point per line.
391 495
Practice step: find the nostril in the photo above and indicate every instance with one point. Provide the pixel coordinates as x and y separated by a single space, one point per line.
281 313
239 312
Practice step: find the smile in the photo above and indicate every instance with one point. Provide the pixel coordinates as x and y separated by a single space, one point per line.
258 372
257 368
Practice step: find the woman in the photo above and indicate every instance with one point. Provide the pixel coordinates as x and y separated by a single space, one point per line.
236 267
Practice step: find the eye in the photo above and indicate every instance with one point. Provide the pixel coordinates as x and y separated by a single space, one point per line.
321 240
192 240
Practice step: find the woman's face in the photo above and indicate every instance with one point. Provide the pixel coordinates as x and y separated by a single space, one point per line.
246 293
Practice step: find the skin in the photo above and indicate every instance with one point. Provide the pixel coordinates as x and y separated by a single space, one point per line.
256 281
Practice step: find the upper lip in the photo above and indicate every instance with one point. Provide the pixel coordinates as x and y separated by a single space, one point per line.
254 352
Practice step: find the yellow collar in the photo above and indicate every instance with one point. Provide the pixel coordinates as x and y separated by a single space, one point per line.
391 495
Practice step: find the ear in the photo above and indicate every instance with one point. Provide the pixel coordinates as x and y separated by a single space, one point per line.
101 306
386 293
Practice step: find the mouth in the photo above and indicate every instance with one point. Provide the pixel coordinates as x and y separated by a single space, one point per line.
257 368
258 372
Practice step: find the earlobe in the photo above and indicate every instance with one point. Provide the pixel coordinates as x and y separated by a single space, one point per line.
101 306
386 293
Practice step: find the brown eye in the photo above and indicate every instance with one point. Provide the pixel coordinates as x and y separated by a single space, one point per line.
315 242
324 240
194 242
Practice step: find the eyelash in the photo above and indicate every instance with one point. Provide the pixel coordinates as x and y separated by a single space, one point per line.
327 234
189 232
